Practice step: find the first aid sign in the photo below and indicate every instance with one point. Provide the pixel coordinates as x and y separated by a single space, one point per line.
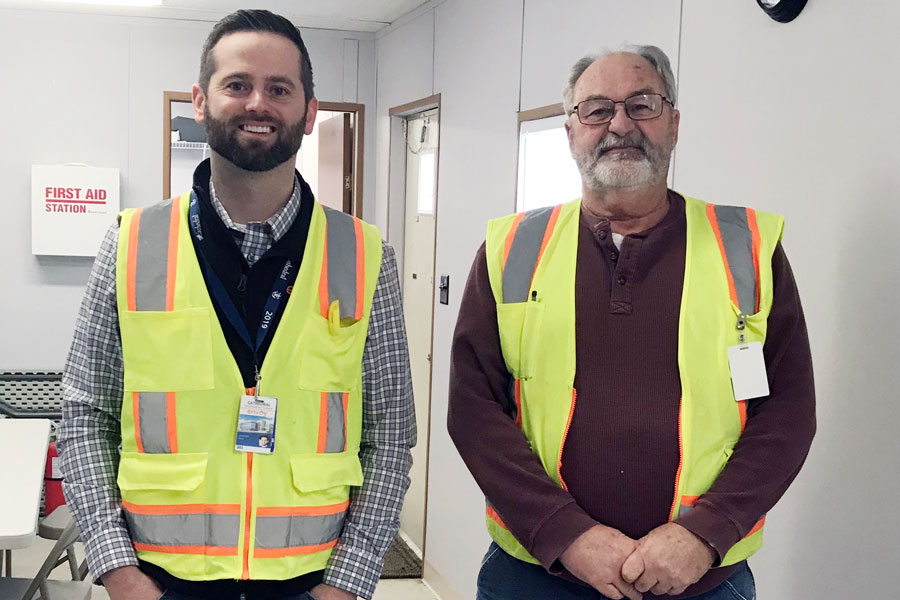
71 208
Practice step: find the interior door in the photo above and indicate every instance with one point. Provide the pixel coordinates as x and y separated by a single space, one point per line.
336 163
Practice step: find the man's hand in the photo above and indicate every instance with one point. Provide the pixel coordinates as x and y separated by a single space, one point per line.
668 560
596 558
327 592
129 583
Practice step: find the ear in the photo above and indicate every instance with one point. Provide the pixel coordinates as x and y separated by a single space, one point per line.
676 120
311 111
198 99
568 127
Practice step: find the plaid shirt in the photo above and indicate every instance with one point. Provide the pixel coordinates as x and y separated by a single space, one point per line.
89 437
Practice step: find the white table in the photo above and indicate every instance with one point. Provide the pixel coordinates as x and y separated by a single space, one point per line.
23 454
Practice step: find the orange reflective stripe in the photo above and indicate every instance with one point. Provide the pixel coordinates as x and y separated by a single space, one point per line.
203 550
131 264
136 409
346 418
510 236
714 222
689 500
293 551
742 412
517 395
757 527
245 574
563 444
323 422
548 233
495 517
172 254
306 511
171 428
360 270
181 509
323 278
754 232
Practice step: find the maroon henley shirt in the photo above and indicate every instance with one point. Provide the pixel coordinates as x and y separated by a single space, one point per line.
621 454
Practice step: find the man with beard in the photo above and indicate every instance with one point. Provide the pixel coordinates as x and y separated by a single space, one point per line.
631 380
240 301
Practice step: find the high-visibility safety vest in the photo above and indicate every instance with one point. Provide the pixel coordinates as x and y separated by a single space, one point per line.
195 506
726 300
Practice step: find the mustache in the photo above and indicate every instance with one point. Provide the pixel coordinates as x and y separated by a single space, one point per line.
612 141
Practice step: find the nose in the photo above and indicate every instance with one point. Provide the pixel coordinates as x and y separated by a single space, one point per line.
256 101
621 123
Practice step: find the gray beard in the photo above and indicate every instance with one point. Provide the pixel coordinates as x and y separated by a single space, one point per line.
600 172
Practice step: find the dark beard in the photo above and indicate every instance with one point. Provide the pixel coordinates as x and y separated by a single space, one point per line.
253 156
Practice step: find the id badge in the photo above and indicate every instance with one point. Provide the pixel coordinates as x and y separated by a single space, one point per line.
748 371
256 424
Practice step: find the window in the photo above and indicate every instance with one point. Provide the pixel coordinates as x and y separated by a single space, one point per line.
426 182
547 173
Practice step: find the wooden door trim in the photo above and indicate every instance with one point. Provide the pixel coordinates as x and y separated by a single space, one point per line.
359 132
168 98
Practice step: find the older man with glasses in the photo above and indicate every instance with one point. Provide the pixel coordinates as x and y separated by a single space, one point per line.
631 379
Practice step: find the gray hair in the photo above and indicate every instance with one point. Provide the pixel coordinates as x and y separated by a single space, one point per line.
653 55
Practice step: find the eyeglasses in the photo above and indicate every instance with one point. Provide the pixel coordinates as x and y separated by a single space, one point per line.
638 107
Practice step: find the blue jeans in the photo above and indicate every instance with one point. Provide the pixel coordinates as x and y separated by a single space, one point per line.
176 596
503 577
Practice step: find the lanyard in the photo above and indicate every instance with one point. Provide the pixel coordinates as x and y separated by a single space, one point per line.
217 288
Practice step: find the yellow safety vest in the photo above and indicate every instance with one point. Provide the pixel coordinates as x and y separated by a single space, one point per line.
195 506
726 300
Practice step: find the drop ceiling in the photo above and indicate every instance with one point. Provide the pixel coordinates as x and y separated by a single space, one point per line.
350 15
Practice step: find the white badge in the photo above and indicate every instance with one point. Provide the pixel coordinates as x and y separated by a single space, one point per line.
256 424
748 371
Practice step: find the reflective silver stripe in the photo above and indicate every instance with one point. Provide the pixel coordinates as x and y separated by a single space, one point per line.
197 529
298 530
341 249
685 509
151 262
153 421
738 242
523 254
336 440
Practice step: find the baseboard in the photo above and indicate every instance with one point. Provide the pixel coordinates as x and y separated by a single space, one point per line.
438 584
412 545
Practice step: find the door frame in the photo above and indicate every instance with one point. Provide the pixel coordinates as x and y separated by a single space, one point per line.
359 132
397 192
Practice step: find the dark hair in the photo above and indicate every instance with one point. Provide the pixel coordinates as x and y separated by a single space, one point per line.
255 20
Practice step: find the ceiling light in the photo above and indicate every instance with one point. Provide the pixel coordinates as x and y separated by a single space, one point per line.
114 2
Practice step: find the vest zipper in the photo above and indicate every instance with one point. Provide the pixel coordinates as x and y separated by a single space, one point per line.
680 462
562 446
248 508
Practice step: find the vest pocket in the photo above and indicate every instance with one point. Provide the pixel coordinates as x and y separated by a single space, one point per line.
520 328
162 472
148 338
318 472
331 356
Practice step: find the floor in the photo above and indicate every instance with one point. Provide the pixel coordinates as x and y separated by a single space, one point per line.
26 563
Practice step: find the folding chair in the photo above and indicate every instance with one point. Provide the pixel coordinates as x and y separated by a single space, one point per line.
51 527
19 588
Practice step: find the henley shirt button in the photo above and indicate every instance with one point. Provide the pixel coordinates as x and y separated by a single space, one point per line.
613 256
621 281
601 235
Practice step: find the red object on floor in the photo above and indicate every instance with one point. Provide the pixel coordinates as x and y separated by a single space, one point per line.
53 494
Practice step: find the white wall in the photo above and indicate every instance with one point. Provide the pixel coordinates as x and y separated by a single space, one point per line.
88 88
801 119
796 118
